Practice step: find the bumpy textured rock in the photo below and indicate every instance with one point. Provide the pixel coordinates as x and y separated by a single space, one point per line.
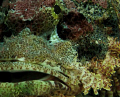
39 16
74 26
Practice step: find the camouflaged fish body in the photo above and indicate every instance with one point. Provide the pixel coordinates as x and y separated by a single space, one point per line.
44 69
27 52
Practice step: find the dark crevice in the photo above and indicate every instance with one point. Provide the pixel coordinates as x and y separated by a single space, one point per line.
6 76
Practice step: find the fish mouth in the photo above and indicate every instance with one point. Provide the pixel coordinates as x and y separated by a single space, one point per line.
20 76
30 79
14 72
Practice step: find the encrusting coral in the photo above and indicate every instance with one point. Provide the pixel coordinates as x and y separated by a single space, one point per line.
74 26
108 68
38 15
102 3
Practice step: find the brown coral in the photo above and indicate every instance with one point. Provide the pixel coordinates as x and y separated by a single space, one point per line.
114 47
108 68
28 9
70 5
38 15
102 3
75 26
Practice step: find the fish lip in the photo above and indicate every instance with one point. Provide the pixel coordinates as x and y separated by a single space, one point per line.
18 67
53 78
20 76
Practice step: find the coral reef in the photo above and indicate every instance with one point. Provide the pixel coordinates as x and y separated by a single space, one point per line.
95 45
38 15
60 48
28 9
74 26
70 5
109 68
102 3
114 47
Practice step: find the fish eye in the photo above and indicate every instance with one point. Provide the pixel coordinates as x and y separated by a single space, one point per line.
57 9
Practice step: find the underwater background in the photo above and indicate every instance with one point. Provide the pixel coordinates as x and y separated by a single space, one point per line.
59 48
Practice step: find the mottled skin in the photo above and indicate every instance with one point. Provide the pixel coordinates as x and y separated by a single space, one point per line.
28 88
31 55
